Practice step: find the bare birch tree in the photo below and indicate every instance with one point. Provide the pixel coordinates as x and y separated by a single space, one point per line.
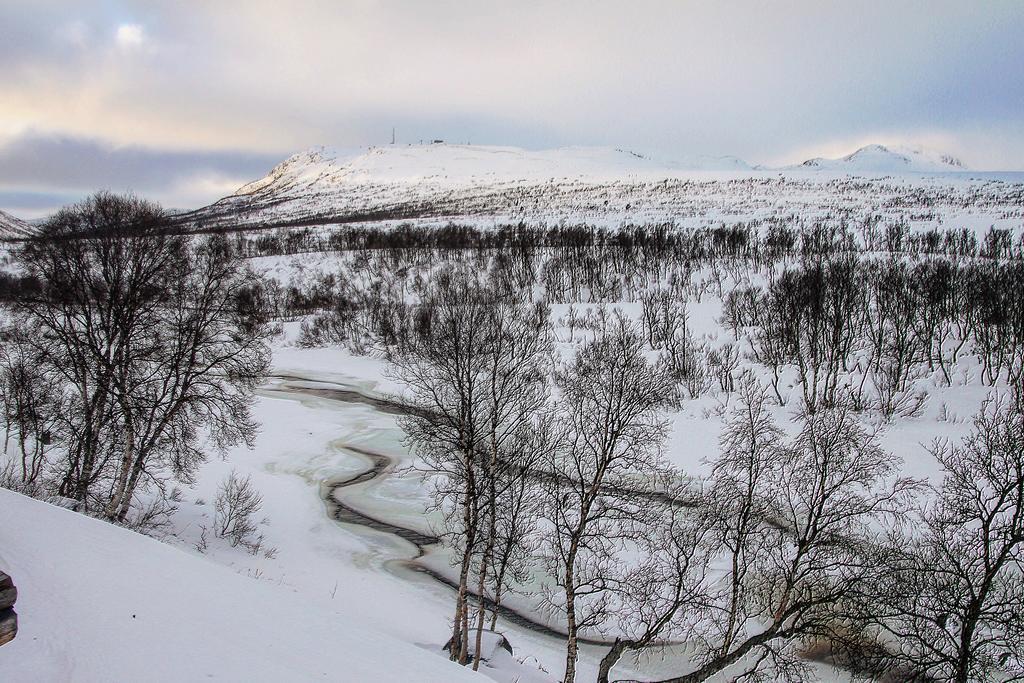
667 590
952 602
797 545
444 370
518 358
32 406
144 328
610 434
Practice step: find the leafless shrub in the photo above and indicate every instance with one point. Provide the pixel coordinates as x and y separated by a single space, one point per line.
11 479
154 518
725 360
236 504
662 317
32 406
687 364
202 544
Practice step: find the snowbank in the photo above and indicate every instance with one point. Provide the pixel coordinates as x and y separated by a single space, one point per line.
101 603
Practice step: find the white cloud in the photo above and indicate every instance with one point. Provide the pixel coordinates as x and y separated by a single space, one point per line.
199 189
130 36
764 81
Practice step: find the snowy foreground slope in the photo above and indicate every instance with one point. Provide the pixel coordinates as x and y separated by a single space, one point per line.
485 186
101 603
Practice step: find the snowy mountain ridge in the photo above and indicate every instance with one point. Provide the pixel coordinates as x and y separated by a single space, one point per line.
489 185
13 228
477 164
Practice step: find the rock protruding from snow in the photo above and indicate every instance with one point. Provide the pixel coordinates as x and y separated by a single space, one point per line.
882 159
8 626
8 618
8 592
491 644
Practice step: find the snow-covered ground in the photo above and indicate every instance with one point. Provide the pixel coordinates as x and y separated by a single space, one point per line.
100 603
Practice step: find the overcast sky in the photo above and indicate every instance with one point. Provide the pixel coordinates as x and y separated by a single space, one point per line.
184 101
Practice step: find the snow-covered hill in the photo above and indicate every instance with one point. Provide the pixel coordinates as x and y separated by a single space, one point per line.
489 185
100 603
461 165
882 159
13 228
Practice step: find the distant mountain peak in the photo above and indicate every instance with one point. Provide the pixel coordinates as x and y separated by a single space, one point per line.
876 158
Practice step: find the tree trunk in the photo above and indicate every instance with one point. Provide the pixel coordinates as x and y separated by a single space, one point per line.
722 662
113 508
481 612
458 636
572 647
455 643
492 532
460 631
129 493
610 660
499 582
24 455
